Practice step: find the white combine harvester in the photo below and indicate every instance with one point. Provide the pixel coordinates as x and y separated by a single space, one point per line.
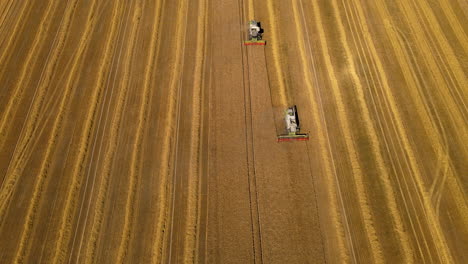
292 126
254 34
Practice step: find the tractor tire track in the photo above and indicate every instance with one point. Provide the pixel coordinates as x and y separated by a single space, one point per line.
23 154
432 26
333 187
56 128
121 103
201 254
255 222
439 239
424 105
155 43
454 187
455 24
376 248
90 178
7 13
7 21
401 171
438 140
396 166
194 174
412 225
464 6
168 163
13 38
440 79
63 236
136 153
108 164
448 63
28 66
415 225
176 173
154 53
5 6
371 131
36 103
102 120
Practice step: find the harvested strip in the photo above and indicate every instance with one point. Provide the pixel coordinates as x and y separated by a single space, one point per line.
439 238
345 128
376 149
18 160
64 230
31 59
107 166
38 188
276 55
190 246
165 167
324 143
455 24
17 28
448 52
136 152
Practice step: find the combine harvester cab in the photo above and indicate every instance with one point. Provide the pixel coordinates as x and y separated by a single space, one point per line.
292 126
254 34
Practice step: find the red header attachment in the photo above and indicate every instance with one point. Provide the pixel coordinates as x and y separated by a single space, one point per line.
293 138
252 43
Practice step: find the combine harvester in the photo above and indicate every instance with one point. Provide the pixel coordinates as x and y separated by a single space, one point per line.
292 126
254 34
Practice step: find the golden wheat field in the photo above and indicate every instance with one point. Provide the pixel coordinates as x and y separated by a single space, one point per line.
144 131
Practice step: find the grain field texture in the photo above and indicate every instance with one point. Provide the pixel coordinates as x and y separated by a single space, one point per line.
144 131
